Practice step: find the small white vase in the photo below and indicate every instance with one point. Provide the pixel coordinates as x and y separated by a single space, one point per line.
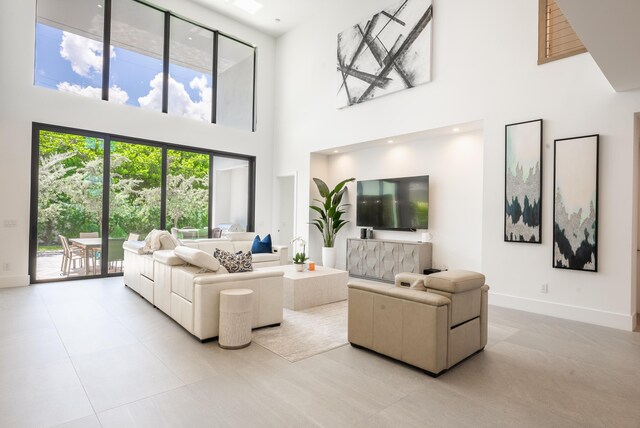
329 257
299 266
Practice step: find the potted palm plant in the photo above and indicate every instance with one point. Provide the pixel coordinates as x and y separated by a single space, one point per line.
330 221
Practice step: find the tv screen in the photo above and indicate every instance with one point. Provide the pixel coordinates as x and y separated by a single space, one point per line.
393 203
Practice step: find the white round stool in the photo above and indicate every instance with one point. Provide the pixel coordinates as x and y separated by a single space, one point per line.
235 318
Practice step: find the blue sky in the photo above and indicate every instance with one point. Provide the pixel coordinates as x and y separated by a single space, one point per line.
130 71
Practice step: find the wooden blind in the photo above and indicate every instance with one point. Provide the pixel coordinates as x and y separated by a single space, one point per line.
556 38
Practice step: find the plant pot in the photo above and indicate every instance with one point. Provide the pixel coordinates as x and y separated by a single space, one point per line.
329 257
299 266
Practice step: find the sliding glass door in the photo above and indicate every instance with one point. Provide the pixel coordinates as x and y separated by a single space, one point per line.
87 201
135 188
69 205
188 193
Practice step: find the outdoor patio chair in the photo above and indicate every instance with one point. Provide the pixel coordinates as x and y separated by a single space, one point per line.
69 256
95 252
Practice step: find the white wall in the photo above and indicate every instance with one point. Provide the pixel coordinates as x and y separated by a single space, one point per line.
21 103
484 68
455 193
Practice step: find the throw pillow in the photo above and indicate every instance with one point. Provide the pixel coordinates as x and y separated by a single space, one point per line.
234 263
261 246
196 257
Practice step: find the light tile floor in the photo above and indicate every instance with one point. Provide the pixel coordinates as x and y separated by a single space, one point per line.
93 353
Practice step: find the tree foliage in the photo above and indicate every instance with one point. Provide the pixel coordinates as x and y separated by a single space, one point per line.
70 187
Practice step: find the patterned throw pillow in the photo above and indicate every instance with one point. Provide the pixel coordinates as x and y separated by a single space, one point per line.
239 262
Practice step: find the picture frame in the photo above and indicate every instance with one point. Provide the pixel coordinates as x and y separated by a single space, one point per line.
575 203
523 182
388 52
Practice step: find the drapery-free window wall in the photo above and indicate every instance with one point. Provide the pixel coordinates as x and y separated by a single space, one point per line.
91 190
130 52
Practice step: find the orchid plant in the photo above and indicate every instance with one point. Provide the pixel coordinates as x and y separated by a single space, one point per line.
300 257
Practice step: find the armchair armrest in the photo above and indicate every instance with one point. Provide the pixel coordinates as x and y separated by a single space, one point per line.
403 293
411 280
283 251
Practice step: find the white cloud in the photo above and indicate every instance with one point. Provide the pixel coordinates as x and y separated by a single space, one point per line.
116 94
180 103
84 54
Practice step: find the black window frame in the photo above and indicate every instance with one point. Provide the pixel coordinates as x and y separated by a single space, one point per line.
106 60
37 127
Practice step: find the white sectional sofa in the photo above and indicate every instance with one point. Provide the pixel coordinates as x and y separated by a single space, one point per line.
191 297
241 241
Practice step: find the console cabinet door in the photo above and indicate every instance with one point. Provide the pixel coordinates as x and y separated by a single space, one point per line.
371 264
388 260
408 258
355 255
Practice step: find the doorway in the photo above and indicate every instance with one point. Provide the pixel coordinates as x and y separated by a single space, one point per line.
285 209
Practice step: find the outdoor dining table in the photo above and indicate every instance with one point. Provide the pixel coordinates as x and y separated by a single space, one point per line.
88 245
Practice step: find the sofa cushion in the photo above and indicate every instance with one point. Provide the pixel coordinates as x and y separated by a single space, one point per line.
240 236
454 281
168 257
134 246
239 262
210 245
199 258
264 257
261 245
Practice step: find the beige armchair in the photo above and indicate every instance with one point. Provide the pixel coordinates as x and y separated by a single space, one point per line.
429 321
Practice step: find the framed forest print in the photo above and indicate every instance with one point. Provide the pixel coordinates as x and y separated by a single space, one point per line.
575 203
523 182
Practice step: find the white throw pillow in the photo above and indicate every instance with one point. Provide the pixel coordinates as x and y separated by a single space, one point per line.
196 257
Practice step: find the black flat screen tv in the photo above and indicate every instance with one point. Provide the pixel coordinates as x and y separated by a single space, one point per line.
393 203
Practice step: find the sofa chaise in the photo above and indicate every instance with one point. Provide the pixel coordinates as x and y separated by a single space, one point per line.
191 295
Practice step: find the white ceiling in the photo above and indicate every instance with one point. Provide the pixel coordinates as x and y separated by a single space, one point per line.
290 12
611 33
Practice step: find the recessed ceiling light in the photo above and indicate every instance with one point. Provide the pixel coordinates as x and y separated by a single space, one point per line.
249 6
190 38
336 151
100 5
456 129
390 141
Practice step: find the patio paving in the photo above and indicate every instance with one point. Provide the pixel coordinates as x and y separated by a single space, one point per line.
48 266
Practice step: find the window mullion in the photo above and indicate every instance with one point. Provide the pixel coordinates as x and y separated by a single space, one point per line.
214 80
106 50
165 62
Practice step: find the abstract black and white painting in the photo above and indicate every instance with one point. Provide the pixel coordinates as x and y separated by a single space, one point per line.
523 182
575 203
387 53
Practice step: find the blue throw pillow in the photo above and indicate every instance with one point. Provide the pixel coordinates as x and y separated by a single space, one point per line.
261 246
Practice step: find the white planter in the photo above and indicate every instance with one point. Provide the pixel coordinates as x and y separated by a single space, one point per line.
299 266
329 257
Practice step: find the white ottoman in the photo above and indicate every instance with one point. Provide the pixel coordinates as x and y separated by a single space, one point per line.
235 318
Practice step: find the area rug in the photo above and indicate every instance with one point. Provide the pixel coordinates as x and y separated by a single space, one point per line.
306 333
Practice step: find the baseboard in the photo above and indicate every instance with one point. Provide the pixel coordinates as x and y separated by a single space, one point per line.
559 310
14 281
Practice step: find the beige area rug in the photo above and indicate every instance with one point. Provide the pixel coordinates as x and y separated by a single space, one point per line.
306 333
